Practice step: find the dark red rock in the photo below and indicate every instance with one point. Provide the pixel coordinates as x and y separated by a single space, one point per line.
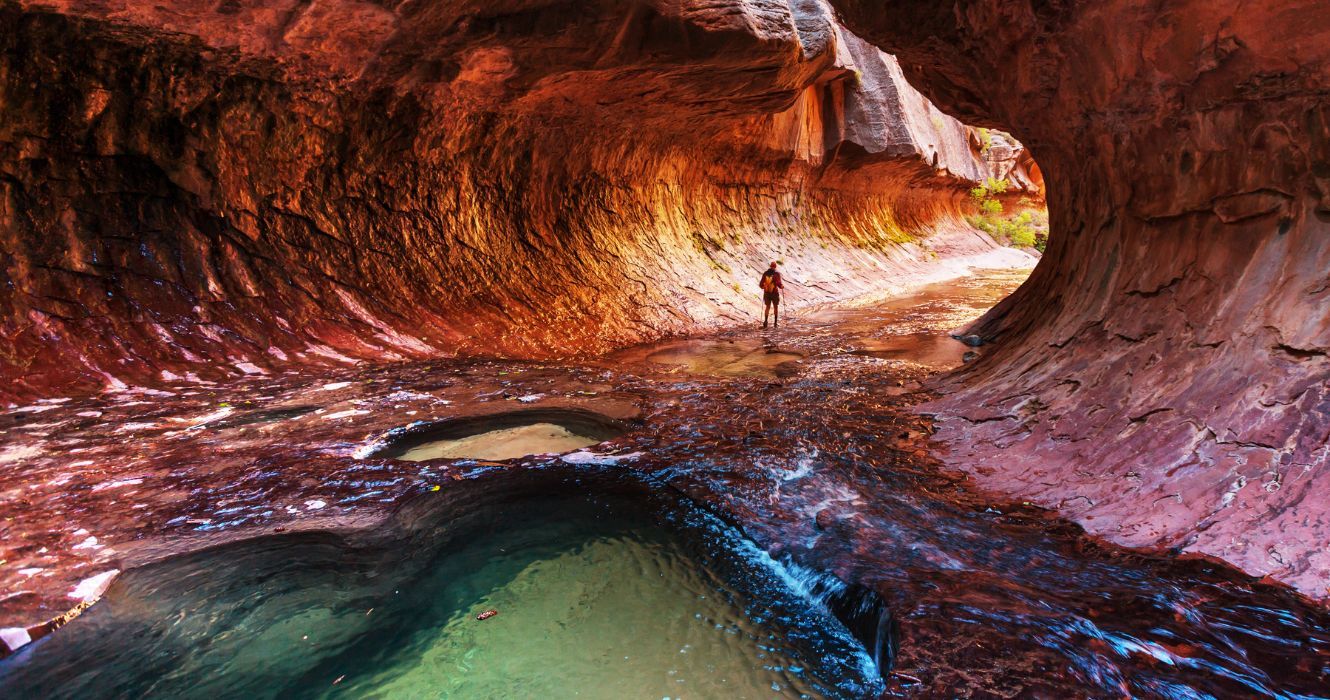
189 188
1003 600
1162 377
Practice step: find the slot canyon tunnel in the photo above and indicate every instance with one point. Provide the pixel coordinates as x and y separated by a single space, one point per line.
218 194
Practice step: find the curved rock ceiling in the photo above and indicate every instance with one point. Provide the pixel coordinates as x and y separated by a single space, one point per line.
212 188
215 188
1163 376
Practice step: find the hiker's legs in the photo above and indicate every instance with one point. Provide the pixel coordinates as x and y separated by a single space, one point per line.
766 312
775 313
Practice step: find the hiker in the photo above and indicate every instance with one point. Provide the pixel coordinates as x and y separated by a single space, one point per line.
771 285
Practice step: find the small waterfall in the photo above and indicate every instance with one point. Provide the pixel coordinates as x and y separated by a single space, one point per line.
863 612
859 608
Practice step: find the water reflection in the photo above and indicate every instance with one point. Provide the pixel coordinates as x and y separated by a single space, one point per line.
593 592
742 357
826 467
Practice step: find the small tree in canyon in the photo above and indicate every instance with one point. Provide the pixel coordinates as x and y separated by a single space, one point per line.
1018 231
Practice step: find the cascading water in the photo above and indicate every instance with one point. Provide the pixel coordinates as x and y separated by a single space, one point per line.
560 560
860 609
824 471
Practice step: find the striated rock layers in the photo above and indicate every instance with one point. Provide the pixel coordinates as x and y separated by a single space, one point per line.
1162 377
206 189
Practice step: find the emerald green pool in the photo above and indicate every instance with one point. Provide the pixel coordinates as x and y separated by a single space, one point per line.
598 596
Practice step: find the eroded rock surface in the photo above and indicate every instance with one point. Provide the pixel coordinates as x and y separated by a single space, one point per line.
203 189
1162 377
827 467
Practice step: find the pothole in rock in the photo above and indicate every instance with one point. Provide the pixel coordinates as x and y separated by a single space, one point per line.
729 358
519 585
501 436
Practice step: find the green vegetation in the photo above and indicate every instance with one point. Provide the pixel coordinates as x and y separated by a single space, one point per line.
1027 230
700 242
895 233
886 234
708 247
985 141
990 188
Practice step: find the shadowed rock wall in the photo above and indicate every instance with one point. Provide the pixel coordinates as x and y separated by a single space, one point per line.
1162 377
212 189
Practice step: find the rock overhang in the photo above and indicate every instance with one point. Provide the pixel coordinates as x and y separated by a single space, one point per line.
1141 381
226 189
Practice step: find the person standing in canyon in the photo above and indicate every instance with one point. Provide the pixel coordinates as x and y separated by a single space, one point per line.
771 285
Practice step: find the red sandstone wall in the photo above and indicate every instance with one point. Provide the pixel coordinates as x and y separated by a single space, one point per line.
212 189
1163 376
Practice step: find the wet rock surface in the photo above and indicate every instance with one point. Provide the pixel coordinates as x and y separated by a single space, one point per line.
1163 376
830 468
196 196
224 190
568 565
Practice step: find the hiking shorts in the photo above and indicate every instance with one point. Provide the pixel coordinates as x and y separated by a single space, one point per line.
771 297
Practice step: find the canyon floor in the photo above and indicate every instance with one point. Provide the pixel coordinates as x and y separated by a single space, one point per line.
802 436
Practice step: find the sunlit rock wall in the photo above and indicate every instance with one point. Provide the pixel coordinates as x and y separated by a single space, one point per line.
1163 376
210 189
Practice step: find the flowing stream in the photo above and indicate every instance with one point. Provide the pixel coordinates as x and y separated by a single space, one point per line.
558 587
800 445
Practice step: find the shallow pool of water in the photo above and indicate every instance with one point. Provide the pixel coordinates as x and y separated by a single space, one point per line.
932 349
499 436
598 596
734 358
993 600
508 443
